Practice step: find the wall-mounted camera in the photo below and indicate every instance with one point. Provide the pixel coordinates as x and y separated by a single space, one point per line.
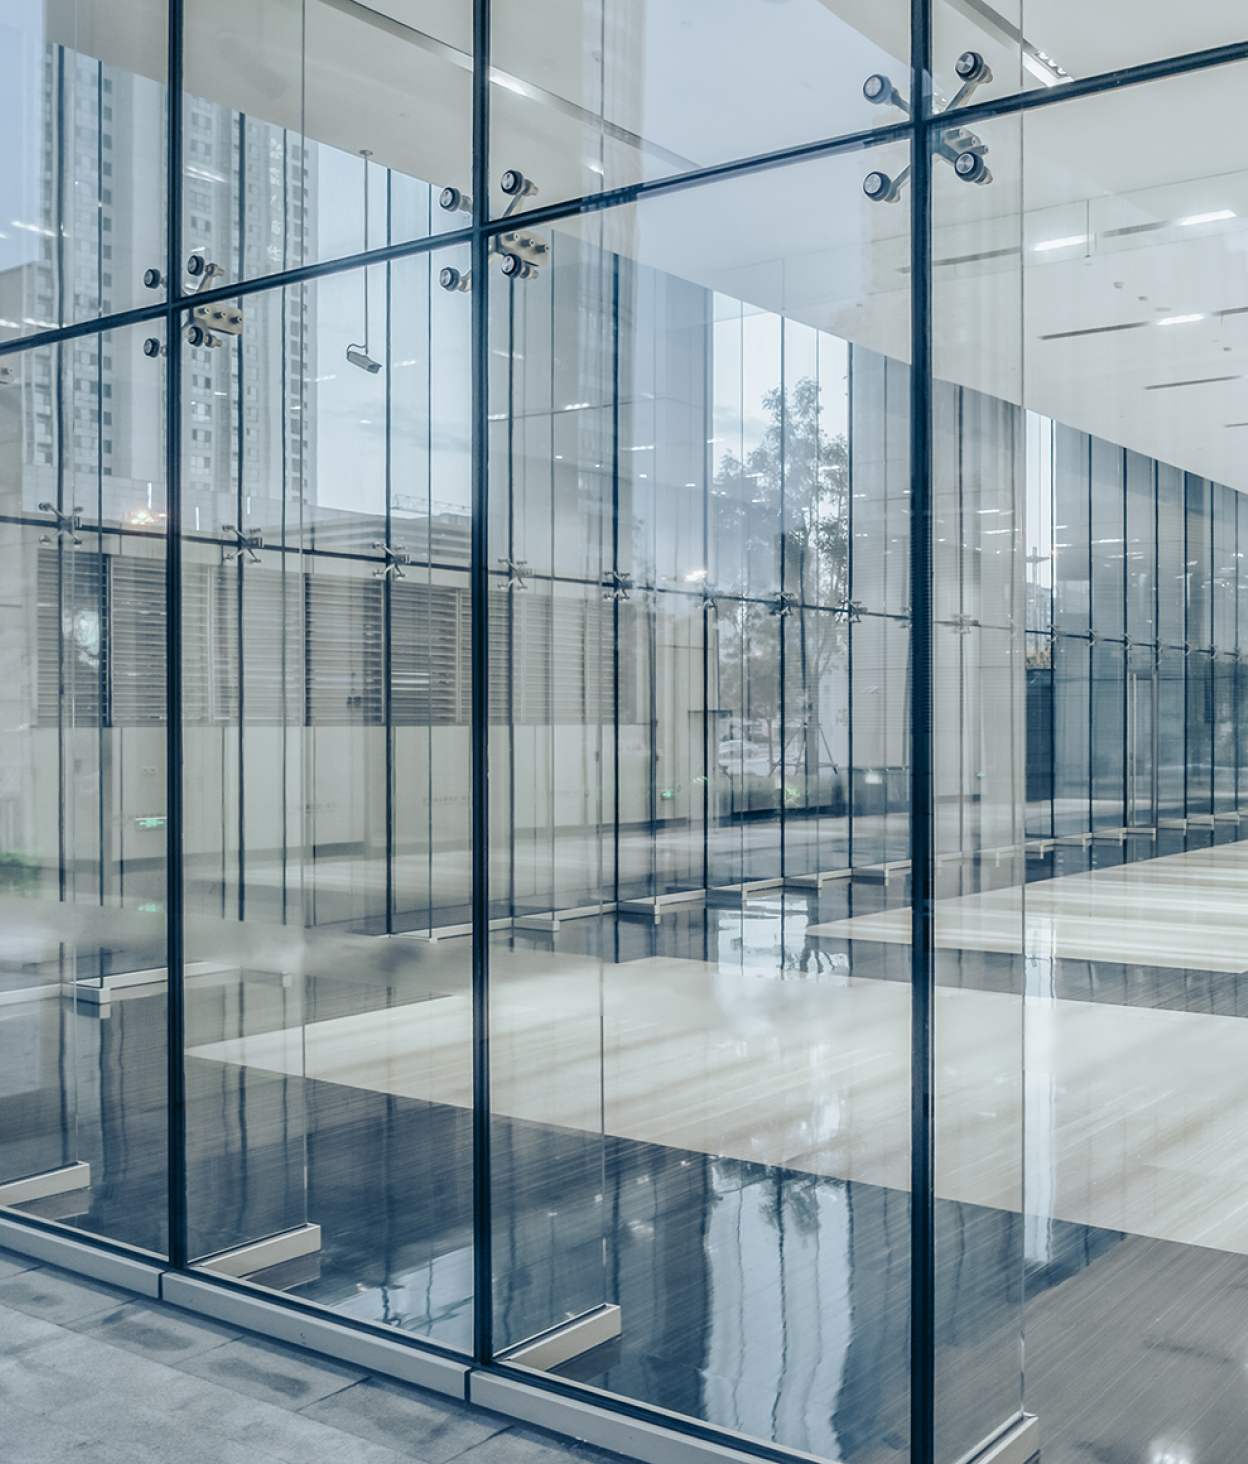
358 356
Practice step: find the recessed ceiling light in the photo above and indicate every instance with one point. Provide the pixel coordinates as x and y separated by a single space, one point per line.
1179 319
1209 218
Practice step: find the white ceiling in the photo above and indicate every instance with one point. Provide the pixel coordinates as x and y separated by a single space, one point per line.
703 80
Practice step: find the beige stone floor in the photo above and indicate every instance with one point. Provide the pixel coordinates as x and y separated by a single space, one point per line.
1127 1117
1183 910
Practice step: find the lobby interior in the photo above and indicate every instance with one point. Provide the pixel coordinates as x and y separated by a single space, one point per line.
543 545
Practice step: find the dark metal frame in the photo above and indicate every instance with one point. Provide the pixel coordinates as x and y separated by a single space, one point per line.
922 131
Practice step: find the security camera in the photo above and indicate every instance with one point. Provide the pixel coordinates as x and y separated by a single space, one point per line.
971 66
453 201
515 185
152 279
880 188
452 279
357 357
971 168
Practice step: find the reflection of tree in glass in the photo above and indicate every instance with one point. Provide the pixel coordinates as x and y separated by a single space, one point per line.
781 517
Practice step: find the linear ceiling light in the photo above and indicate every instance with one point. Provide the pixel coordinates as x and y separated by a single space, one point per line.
1061 243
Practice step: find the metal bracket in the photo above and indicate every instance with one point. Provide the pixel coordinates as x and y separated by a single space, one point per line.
519 252
852 610
516 571
963 624
616 586
784 604
244 543
66 523
209 322
962 149
395 559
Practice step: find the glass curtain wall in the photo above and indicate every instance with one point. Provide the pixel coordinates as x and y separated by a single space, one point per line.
810 1019
699 1124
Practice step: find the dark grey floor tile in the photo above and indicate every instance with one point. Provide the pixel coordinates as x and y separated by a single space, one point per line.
74 1378
37 1438
276 1374
19 1332
420 1426
518 1445
160 1333
11 1264
59 1296
279 1433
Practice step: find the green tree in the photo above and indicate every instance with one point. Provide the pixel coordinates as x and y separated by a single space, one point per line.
786 509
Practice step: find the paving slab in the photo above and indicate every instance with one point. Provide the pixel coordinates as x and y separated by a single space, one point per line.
272 1372
11 1264
155 1332
94 1373
415 1424
59 1296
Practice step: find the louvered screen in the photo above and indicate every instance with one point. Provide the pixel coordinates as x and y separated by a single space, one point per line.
272 650
222 591
343 645
550 660
550 657
429 656
200 632
71 616
136 599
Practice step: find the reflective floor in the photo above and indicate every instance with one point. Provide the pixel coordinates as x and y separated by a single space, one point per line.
748 1209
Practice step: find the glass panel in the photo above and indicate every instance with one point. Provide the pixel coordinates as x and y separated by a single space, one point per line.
1133 937
336 135
326 708
691 1100
983 955
82 198
1042 43
82 805
601 94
